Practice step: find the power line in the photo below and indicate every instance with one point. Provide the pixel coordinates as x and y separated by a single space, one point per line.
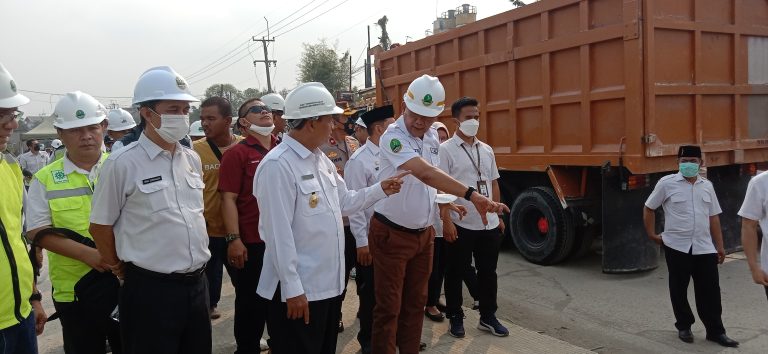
310 20
222 69
62 94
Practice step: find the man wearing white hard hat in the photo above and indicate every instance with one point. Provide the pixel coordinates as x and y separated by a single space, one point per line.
21 314
196 131
58 150
302 200
84 290
401 235
276 103
120 124
148 223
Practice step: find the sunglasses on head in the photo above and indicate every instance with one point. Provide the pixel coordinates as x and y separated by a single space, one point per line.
259 109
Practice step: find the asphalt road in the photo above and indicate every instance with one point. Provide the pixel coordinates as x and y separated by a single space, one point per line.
559 309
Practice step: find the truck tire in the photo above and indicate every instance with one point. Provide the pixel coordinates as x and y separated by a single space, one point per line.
542 230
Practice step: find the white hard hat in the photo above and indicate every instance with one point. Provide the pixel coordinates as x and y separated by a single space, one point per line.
56 143
119 120
310 99
360 122
162 83
196 129
274 101
78 109
425 96
9 97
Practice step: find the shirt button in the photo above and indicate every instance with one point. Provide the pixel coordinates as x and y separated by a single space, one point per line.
177 184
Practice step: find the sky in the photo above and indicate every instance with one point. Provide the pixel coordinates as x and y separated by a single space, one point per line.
101 47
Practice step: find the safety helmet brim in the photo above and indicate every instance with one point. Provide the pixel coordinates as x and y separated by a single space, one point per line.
170 97
80 122
335 110
14 101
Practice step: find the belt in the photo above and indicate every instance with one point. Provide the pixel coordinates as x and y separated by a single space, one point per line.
396 226
194 275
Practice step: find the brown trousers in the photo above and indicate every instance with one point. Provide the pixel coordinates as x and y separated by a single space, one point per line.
402 263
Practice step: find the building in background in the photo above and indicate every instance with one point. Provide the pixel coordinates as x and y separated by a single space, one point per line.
455 18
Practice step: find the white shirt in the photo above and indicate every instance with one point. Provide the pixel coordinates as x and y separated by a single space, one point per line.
154 200
301 201
33 162
755 207
117 145
362 170
414 207
687 208
460 160
38 210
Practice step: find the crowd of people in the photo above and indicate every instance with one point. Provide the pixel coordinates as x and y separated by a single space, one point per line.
139 233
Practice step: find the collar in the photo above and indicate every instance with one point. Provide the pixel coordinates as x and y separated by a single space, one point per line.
151 148
372 147
458 141
300 149
679 177
70 166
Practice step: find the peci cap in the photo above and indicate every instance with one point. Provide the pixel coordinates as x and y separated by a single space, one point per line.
689 151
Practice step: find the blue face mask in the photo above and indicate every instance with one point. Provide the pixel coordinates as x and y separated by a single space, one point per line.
689 169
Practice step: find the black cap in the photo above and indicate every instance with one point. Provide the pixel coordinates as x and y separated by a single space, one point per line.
689 151
377 114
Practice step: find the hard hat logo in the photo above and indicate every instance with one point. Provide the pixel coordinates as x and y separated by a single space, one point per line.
427 100
13 86
80 114
181 83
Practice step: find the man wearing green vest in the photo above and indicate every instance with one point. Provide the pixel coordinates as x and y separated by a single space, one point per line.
18 298
85 293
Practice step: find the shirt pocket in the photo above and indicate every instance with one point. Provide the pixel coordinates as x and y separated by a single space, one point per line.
194 197
707 203
67 212
311 199
156 194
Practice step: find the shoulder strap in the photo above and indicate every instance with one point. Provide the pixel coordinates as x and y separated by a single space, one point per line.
259 148
60 231
215 149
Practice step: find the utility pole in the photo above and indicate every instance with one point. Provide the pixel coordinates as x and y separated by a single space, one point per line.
350 73
266 60
368 79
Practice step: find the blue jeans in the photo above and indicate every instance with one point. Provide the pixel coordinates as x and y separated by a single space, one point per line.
213 270
20 338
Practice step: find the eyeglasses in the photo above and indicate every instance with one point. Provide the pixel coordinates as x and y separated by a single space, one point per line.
9 116
259 109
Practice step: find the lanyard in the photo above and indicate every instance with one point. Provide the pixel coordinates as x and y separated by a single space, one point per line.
476 166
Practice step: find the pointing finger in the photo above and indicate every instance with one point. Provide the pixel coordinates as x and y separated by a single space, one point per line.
402 174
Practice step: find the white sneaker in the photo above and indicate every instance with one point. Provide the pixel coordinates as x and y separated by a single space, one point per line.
263 344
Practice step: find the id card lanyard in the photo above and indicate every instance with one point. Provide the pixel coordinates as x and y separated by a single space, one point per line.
482 186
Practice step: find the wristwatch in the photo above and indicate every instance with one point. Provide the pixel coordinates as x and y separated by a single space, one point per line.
231 237
469 192
36 296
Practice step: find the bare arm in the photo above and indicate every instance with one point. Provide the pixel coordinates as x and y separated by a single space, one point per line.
237 253
749 241
69 248
717 237
104 236
649 220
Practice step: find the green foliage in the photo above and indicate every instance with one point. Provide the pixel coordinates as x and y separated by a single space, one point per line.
517 3
320 62
384 40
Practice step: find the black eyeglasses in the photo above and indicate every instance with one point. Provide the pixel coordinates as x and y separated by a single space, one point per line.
9 116
258 109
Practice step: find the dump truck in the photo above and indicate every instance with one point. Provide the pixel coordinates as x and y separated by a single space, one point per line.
586 102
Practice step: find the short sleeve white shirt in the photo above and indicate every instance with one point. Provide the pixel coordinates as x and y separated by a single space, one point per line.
154 201
755 207
469 164
687 208
414 207
362 170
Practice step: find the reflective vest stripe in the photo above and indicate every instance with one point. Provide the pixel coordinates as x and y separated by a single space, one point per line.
66 193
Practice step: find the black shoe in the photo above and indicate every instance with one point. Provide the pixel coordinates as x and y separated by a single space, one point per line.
366 348
723 340
456 329
436 318
422 346
685 335
441 307
341 326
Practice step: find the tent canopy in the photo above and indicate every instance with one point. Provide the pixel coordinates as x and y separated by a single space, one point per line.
44 130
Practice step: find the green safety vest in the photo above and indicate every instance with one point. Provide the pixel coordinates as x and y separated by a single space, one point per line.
16 276
69 200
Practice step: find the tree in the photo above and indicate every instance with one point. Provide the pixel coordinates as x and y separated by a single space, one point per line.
517 3
319 62
384 39
252 93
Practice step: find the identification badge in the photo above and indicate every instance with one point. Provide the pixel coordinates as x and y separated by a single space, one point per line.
152 180
482 188
313 200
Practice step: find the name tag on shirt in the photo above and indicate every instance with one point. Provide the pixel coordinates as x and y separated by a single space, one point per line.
152 180
307 177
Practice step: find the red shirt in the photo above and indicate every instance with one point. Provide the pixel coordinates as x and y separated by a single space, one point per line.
238 166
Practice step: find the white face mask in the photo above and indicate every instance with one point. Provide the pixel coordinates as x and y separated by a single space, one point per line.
469 127
264 131
173 127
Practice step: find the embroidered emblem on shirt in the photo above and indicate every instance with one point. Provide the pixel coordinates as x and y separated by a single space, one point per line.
59 176
395 145
332 154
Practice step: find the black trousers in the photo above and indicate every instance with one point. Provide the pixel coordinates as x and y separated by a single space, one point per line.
213 270
435 285
164 316
86 332
706 284
766 291
250 308
367 295
288 336
484 245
